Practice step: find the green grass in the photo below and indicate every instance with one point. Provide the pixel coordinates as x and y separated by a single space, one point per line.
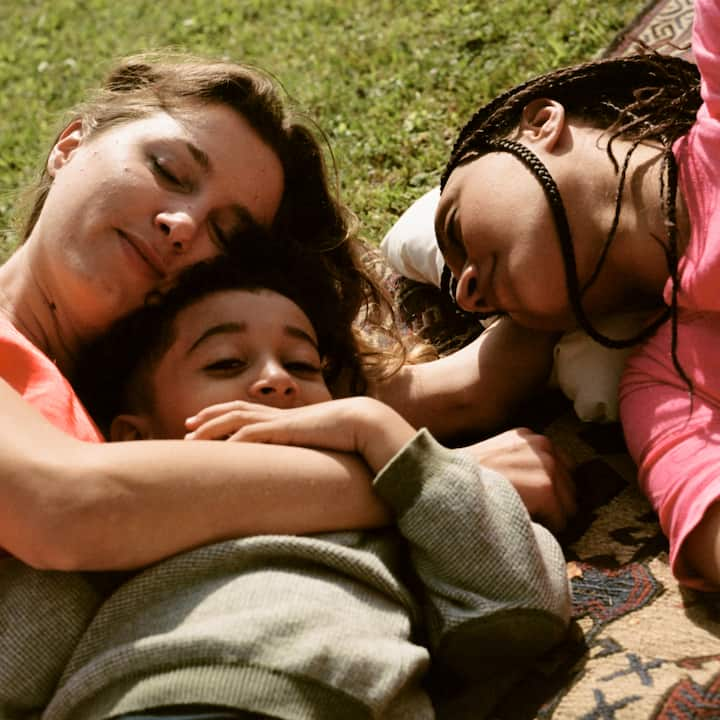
390 82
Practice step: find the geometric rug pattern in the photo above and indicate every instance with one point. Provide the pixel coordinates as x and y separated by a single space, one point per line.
664 26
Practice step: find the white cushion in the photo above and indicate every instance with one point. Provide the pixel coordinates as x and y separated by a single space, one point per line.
410 247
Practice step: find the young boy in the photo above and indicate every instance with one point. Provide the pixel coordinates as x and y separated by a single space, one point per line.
334 625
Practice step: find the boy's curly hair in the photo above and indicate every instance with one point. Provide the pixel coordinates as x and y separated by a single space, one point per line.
113 371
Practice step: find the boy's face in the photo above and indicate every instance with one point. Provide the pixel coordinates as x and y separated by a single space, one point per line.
236 345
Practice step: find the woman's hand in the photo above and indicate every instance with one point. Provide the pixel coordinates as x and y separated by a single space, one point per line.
530 463
356 425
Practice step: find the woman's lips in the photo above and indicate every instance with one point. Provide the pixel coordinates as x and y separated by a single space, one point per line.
146 254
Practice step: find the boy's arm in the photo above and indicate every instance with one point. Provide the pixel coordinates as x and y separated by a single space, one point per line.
494 583
476 389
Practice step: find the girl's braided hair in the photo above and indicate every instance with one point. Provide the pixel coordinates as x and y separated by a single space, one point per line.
639 98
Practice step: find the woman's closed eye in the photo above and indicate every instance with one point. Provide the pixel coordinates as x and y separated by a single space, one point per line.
226 234
219 236
162 169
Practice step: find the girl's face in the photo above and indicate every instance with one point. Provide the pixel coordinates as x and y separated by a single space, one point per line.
236 345
496 232
132 205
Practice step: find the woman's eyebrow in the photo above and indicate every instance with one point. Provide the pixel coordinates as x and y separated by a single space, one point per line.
200 156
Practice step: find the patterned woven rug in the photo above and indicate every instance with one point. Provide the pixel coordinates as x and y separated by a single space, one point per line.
664 26
642 648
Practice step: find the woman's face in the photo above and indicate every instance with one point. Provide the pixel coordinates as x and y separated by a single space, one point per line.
496 232
132 205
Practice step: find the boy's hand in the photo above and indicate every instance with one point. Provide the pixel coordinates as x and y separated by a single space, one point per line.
323 425
357 425
541 478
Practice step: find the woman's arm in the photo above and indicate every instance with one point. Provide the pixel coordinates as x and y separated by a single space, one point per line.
359 425
476 389
65 504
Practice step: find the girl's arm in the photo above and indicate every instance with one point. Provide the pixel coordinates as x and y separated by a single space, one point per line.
476 389
65 504
537 471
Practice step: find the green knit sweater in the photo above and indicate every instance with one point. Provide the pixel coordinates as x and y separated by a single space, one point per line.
326 626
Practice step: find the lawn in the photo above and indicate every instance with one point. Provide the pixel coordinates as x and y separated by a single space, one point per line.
388 81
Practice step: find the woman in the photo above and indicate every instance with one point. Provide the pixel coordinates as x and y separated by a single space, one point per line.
154 173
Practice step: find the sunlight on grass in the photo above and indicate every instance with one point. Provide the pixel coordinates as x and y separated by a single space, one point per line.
389 82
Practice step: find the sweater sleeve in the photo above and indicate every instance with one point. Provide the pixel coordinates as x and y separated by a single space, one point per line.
494 583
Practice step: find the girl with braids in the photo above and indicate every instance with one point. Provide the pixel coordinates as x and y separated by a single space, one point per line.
593 190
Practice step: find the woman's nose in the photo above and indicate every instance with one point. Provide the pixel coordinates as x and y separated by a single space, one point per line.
274 386
468 293
178 227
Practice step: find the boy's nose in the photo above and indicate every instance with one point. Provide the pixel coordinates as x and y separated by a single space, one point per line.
274 386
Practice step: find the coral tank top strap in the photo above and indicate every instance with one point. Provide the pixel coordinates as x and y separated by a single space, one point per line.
32 374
